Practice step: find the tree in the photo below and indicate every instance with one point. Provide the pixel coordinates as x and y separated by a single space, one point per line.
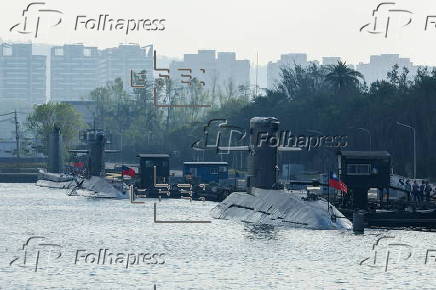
341 77
45 117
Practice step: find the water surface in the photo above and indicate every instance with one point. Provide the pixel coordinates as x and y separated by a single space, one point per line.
218 255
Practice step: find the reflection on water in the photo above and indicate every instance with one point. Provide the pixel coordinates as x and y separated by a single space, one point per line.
109 244
260 232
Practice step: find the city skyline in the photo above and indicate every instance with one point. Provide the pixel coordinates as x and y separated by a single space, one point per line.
270 29
117 61
166 59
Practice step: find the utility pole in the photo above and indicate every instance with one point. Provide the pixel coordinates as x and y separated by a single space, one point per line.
414 146
17 135
257 67
17 131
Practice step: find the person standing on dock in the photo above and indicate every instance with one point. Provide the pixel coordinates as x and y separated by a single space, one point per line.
408 188
415 191
421 192
427 191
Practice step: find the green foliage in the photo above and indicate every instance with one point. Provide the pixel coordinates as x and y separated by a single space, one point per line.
341 77
137 121
331 99
45 117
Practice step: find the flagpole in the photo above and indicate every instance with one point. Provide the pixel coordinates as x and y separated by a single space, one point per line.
342 193
328 192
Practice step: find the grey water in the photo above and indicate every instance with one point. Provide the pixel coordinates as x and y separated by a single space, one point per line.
65 235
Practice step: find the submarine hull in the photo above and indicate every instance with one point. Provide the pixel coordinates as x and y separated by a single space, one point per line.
95 186
99 187
281 208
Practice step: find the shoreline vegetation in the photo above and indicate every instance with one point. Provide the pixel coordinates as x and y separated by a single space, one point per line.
332 100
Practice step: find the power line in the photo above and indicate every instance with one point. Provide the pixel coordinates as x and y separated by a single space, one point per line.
7 114
11 113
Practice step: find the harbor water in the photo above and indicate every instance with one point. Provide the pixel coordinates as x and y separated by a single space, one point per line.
50 241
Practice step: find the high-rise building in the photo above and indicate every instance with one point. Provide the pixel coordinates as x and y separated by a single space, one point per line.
219 71
118 62
330 60
22 83
74 72
334 60
233 70
290 59
22 74
380 65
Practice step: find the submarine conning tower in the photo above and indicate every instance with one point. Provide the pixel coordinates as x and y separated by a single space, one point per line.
96 142
55 154
262 160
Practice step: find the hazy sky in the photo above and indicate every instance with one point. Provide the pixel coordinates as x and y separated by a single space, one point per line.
317 27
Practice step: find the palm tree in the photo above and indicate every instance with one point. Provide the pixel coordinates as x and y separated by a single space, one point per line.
341 76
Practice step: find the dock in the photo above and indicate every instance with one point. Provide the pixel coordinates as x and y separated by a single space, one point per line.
20 170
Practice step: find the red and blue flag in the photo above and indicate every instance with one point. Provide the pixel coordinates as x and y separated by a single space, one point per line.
128 171
336 183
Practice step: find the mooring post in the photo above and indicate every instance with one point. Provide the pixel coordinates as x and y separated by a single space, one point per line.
359 221
131 193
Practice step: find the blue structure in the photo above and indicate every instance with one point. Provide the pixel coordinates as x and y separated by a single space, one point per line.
206 172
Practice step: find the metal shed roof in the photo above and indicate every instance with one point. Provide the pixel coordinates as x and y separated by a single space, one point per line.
205 163
365 154
153 155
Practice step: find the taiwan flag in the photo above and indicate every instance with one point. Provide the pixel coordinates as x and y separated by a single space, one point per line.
128 171
78 164
336 183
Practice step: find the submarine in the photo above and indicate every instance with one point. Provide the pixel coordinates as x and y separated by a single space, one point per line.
265 202
93 183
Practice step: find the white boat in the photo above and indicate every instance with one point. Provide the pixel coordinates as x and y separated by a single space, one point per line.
55 180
